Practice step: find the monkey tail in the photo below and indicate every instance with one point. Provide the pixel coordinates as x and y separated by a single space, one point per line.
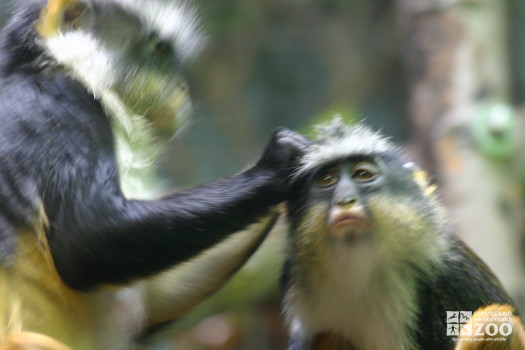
515 340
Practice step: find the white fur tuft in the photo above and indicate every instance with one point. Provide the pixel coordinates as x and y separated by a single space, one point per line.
339 141
92 63
172 20
136 152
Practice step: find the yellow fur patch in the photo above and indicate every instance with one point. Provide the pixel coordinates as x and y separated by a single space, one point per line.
309 244
422 179
52 16
32 341
404 233
33 298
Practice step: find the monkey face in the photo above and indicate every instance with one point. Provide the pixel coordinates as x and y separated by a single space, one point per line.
355 192
150 83
348 218
128 50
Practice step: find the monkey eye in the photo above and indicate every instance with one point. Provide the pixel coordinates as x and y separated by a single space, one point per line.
162 47
365 172
327 178
158 46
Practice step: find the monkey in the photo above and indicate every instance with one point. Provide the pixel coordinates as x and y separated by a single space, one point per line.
92 255
372 261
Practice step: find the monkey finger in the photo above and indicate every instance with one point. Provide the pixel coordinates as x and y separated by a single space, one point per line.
300 138
294 144
296 139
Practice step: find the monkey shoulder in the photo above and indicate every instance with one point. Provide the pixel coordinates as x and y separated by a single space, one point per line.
40 104
44 127
461 282
464 281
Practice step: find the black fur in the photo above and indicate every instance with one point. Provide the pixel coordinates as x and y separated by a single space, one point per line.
57 149
464 283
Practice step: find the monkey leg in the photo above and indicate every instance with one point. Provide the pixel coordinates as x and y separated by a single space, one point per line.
32 341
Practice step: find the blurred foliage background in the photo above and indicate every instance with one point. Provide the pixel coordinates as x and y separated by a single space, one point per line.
287 63
446 78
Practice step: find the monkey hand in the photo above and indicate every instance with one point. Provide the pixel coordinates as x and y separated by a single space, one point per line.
282 153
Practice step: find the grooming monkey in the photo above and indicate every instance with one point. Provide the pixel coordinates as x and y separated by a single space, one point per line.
372 261
88 259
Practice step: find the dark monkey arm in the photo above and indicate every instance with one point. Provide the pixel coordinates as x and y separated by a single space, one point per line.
100 237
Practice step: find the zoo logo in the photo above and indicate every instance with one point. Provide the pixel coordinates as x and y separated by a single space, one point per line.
484 323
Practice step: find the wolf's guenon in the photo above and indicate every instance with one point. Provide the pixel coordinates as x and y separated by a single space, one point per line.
372 260
90 254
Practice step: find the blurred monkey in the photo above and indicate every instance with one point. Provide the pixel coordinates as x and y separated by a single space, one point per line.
88 260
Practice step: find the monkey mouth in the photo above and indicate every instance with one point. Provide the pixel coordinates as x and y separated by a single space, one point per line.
350 225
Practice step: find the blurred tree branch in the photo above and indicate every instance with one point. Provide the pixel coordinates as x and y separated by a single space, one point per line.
457 65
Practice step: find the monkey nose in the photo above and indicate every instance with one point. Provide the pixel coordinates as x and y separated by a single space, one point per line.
346 202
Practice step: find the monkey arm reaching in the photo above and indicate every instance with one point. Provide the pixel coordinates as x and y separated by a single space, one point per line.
98 236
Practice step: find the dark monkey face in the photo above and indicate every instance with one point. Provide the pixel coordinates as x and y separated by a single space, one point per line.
339 185
130 54
358 194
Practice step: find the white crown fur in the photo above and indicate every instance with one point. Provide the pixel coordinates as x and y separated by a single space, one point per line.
336 140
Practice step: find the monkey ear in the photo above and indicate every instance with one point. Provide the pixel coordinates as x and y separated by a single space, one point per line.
422 179
60 14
